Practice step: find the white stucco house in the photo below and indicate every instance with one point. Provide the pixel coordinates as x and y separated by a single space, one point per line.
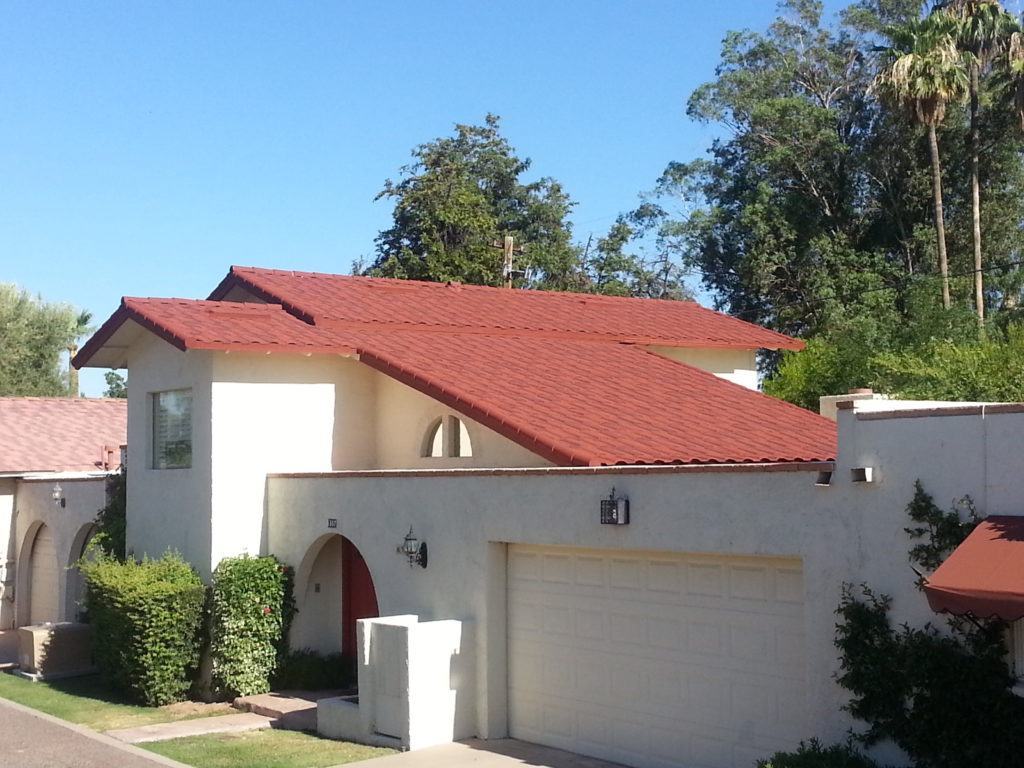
627 551
55 457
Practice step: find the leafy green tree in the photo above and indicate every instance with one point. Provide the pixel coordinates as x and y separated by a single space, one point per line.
117 385
33 334
784 220
460 195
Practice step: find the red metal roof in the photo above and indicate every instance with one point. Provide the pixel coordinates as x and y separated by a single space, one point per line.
572 382
984 577
61 434
408 303
595 403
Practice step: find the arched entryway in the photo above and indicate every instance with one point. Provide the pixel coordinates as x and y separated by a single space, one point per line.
38 577
75 606
333 590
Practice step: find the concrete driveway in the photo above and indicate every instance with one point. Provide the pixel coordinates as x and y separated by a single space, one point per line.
496 753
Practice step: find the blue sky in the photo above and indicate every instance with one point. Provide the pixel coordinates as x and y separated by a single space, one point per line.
147 145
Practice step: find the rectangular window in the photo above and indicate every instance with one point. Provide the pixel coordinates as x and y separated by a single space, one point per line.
172 429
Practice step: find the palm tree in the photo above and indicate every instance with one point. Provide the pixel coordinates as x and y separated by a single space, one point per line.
79 328
924 74
983 31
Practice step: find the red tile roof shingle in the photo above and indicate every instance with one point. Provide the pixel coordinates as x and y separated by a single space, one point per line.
61 434
411 304
564 375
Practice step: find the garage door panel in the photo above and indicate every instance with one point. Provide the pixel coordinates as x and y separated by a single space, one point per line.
644 658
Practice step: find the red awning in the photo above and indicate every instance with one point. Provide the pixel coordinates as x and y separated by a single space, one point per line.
984 576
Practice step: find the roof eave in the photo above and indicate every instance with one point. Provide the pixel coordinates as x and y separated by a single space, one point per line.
106 331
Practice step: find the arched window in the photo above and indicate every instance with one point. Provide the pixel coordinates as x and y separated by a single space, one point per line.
447 438
433 445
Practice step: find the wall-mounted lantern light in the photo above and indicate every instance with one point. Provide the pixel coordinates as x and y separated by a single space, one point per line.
414 550
58 496
615 510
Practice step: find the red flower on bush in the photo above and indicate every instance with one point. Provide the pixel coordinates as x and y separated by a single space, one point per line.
266 609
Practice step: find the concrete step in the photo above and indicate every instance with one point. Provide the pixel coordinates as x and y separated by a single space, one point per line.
291 710
243 721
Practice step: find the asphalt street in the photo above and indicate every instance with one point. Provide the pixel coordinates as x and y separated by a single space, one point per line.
30 739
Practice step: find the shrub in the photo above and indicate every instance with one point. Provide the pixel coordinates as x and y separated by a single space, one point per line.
250 607
813 755
944 697
305 669
146 618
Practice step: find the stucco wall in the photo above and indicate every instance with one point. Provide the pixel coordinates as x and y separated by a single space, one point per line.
736 365
844 532
169 508
467 520
269 415
255 414
404 417
8 544
34 506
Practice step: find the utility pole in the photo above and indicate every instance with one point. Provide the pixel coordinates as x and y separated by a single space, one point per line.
508 251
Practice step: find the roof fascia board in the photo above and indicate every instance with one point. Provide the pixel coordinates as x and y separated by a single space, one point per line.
118 319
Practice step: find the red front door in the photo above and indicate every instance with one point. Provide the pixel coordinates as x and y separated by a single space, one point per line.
358 597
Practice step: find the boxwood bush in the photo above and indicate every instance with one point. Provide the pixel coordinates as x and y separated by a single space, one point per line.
146 618
250 608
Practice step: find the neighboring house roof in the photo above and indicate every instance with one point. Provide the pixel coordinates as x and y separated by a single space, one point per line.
61 434
564 375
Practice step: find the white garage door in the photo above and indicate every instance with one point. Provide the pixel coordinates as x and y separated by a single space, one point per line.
656 659
44 578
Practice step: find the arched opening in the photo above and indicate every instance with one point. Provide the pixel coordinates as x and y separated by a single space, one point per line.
333 590
38 577
433 443
447 437
75 604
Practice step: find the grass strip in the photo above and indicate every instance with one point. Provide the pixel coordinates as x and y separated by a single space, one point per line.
86 701
263 749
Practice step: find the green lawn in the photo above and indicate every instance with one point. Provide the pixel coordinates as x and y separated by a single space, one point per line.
84 700
263 749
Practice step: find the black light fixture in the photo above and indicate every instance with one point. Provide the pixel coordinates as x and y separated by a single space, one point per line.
615 510
414 549
58 496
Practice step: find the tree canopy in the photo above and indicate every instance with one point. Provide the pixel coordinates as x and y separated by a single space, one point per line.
463 194
33 334
459 196
819 211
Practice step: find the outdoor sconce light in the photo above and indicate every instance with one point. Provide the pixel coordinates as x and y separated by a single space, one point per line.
414 550
614 510
58 496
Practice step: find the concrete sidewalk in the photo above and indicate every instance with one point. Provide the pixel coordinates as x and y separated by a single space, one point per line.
180 729
32 739
495 753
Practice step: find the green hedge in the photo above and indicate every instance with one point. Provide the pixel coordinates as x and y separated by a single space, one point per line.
146 618
250 609
308 670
